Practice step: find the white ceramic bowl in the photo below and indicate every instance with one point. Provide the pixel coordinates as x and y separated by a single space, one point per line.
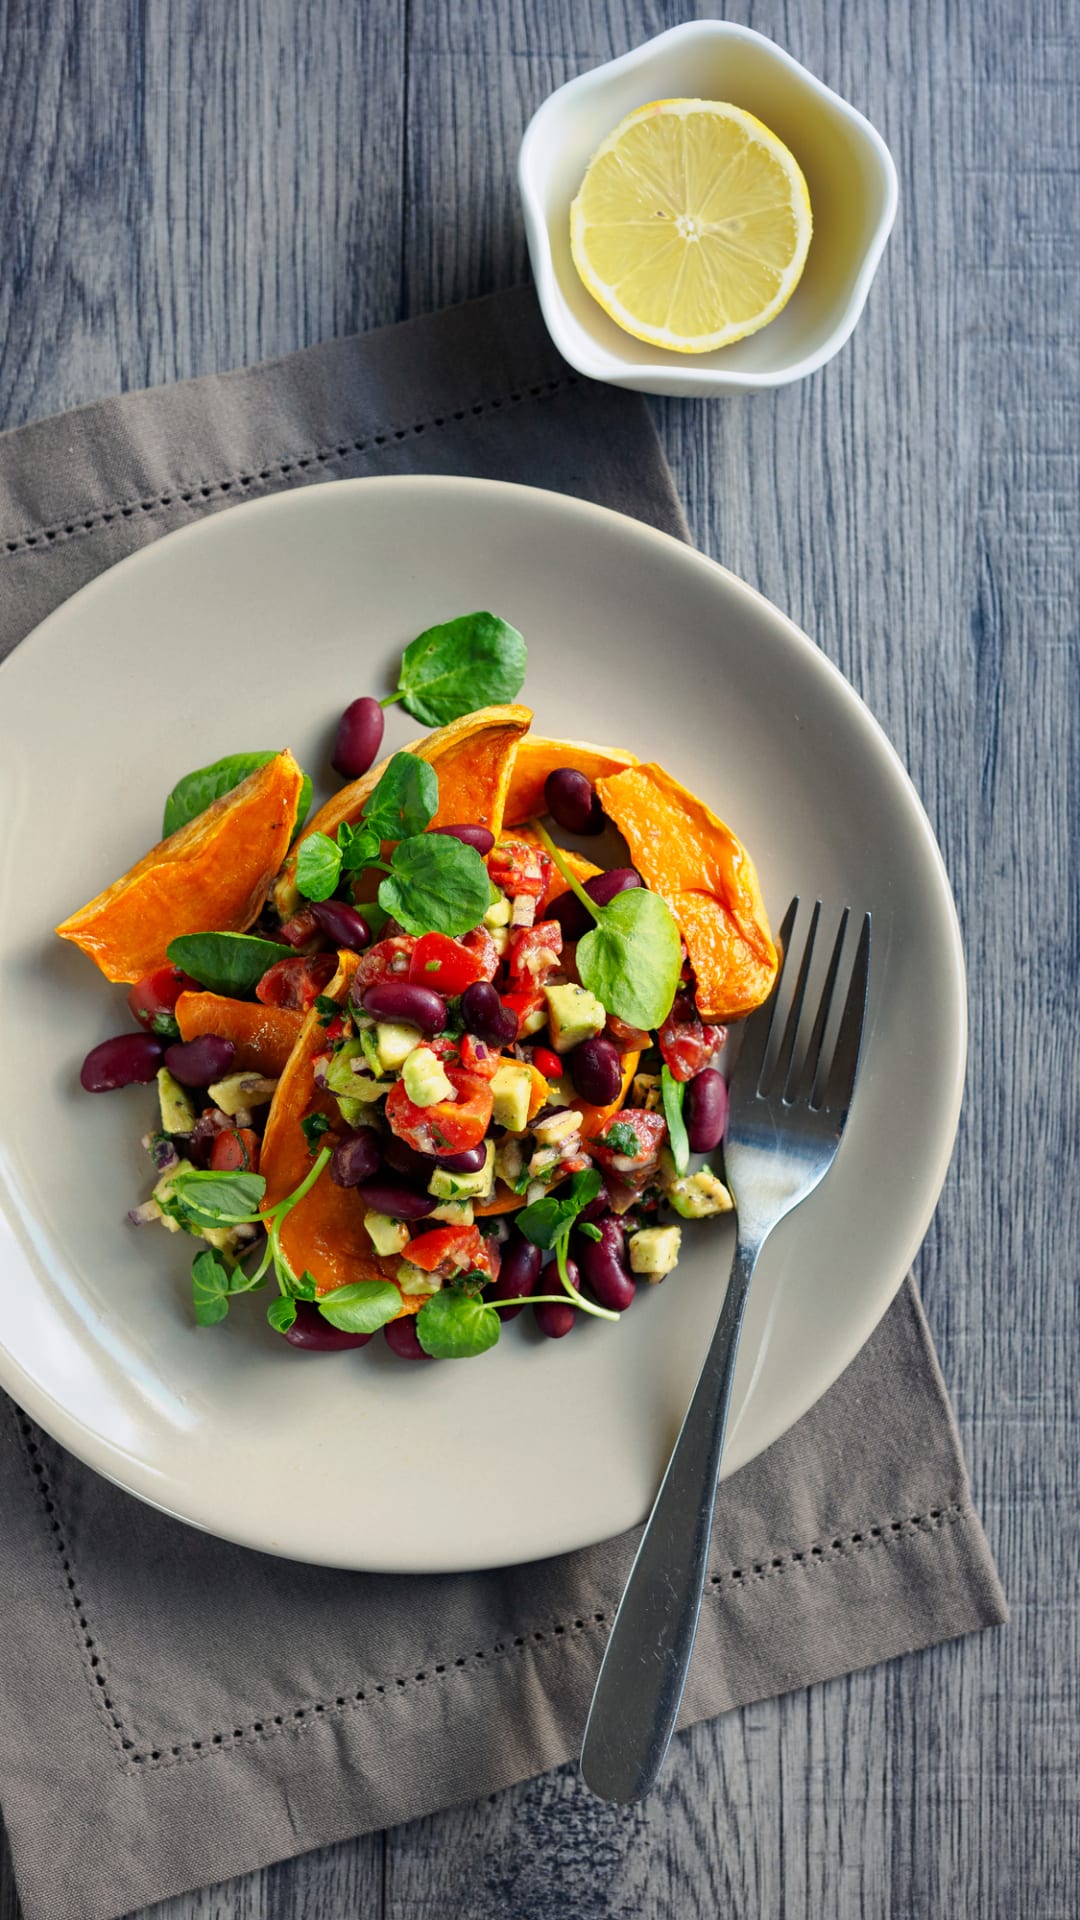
849 171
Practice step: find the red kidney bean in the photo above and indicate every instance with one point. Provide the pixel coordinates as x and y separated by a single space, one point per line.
519 1272
358 738
469 1160
402 1338
481 838
396 1199
574 919
355 1158
705 1110
555 1318
310 1331
342 924
603 1265
408 1161
128 1061
486 1017
195 1063
396 1000
573 802
596 1066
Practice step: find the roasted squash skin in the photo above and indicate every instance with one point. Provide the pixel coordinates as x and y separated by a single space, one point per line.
537 757
264 1037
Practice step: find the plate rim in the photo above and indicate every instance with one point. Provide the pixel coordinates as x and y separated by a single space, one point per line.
131 1473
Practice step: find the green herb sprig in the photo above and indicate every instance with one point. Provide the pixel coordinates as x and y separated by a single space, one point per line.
197 791
631 959
474 661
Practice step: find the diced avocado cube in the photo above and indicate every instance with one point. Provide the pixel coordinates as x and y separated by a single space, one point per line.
242 1090
531 1022
177 1106
413 1280
511 1090
654 1251
509 1161
574 1014
500 940
465 1186
387 1235
498 914
371 1051
425 1078
697 1195
394 1041
454 1213
354 1112
340 1077
558 1127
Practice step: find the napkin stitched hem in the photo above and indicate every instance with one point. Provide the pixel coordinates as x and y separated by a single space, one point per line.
843 1544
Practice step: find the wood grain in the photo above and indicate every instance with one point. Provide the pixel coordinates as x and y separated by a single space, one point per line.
189 188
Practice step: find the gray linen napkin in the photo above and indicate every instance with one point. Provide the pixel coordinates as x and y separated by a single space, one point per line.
175 1710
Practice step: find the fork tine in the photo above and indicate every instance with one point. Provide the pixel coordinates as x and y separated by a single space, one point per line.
758 1028
813 1051
782 1068
845 1060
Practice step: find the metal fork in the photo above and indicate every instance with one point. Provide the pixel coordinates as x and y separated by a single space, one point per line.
788 1108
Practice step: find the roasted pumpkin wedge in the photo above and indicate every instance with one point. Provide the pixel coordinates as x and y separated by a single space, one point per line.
325 1231
473 758
537 757
264 1037
708 879
211 876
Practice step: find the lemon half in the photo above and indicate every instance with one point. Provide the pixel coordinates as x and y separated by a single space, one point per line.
692 225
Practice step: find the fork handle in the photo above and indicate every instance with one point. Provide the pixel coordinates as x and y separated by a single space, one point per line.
640 1684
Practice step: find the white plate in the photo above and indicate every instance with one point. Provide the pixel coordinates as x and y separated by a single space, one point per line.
253 629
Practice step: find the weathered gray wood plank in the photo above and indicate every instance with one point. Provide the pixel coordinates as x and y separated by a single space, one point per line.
195 188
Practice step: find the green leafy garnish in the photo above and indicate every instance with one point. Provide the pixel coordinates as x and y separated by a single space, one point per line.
198 1198
210 1289
358 846
622 1138
318 866
197 791
674 1093
227 963
456 1324
361 1307
405 800
281 1313
313 1126
546 1220
436 884
632 958
474 661
326 1008
166 1026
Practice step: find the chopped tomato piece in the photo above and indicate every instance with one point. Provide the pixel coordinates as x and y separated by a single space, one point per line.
449 1250
519 867
686 1043
296 983
527 1006
534 953
235 1151
448 1126
153 998
444 964
484 951
300 930
629 1143
549 1063
477 1057
387 960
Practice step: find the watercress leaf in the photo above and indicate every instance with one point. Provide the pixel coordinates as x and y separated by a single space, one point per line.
632 958
326 1008
361 1307
305 1288
281 1313
404 801
454 1325
622 1138
241 1282
590 1230
436 885
209 1289
474 661
210 1199
197 791
376 918
550 1219
228 963
313 1126
674 1092
359 846
318 866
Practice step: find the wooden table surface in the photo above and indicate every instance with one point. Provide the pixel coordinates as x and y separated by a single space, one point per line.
188 187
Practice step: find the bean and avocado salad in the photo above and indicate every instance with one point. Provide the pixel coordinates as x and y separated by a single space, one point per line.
418 1066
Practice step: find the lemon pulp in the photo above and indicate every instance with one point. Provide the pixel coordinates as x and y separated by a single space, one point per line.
692 225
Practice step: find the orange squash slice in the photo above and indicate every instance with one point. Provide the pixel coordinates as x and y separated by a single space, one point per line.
211 876
473 758
264 1037
707 878
536 758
